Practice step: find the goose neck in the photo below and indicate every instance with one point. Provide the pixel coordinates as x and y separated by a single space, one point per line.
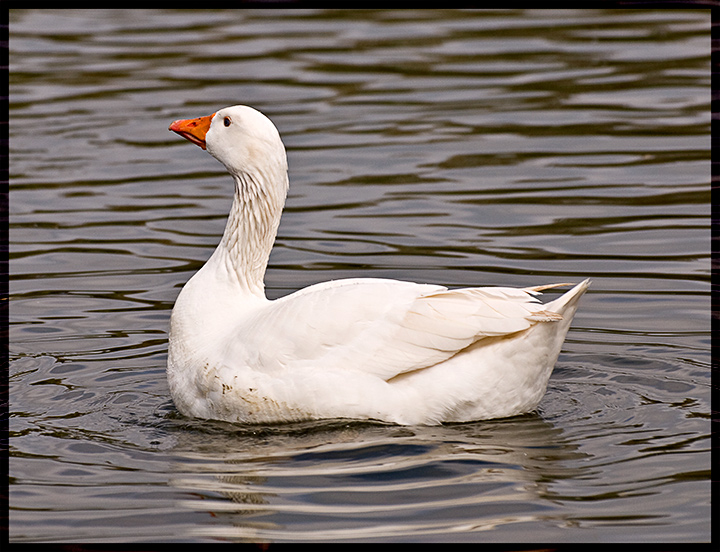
250 232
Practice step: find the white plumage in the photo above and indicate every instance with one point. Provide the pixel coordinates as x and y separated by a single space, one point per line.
357 348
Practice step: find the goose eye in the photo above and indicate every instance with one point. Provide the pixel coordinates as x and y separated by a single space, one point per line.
227 121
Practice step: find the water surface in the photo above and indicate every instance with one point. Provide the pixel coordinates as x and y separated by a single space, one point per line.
462 148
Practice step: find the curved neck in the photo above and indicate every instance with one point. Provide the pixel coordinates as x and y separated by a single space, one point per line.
251 228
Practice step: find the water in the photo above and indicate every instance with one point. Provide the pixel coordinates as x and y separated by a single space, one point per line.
461 148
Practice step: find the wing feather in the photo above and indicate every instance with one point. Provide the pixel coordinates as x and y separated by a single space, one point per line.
383 327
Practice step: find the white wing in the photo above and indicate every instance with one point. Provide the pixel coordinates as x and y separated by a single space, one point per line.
382 327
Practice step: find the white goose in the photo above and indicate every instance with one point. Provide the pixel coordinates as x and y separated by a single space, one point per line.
360 348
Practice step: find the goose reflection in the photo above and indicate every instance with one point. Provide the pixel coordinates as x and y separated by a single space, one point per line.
370 480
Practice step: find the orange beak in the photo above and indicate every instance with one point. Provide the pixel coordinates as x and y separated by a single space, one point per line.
193 129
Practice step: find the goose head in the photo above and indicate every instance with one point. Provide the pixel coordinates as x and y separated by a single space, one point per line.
241 138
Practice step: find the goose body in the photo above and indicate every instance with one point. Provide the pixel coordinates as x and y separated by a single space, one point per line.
361 348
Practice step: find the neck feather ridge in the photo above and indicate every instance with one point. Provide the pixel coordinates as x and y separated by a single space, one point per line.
251 228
